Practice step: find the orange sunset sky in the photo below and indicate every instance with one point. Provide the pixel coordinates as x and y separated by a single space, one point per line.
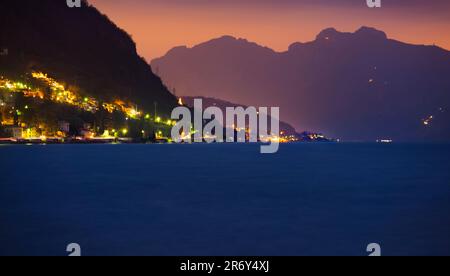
159 25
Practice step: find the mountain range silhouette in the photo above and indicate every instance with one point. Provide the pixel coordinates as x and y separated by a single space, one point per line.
359 86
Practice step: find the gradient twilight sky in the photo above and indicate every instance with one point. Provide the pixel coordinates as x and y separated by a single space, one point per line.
159 25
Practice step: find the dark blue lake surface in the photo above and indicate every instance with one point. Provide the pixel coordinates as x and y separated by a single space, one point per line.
309 199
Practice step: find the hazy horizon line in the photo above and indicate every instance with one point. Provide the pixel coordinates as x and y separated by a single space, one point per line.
191 46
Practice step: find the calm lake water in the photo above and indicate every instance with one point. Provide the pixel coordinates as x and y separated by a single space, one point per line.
309 199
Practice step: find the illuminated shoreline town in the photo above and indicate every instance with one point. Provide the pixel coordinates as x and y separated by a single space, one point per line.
31 113
21 105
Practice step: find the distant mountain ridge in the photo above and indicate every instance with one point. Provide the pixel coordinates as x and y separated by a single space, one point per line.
80 47
354 86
